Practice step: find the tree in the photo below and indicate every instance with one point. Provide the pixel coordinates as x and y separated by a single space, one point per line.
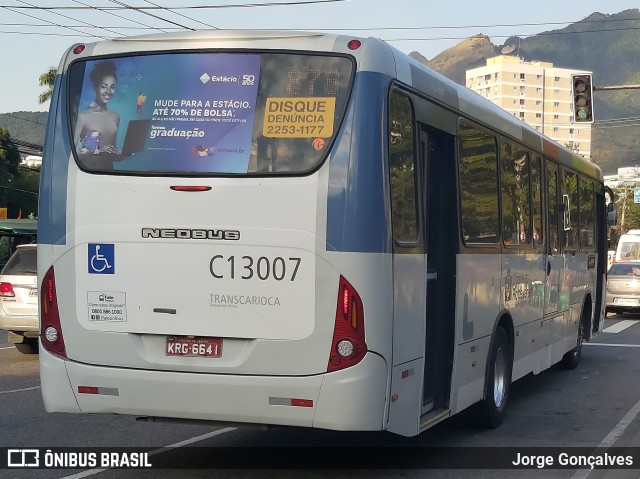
9 160
47 80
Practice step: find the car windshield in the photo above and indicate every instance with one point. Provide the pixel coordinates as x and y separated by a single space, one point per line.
621 269
23 261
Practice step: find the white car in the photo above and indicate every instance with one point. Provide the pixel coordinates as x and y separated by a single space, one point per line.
19 299
623 287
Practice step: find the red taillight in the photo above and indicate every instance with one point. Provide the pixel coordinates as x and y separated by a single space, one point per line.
354 44
348 346
79 49
50 328
6 290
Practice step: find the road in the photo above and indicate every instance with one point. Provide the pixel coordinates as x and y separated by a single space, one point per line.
597 404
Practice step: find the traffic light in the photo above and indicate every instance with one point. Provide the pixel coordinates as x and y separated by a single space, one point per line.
582 98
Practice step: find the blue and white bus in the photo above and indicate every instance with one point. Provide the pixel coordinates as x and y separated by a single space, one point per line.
302 229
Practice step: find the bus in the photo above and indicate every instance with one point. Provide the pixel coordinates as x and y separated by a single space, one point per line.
303 229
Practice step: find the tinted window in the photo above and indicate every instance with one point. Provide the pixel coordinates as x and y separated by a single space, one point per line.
516 211
586 213
207 113
553 207
536 201
402 169
478 173
570 200
23 261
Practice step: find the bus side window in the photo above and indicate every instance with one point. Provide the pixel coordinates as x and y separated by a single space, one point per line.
514 183
553 207
478 173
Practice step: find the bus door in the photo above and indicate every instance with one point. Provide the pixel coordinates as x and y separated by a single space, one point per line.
422 180
437 153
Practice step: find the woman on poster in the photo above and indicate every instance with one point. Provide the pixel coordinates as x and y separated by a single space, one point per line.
97 126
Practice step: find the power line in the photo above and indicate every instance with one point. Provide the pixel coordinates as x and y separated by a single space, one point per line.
75 19
170 9
189 7
138 9
18 189
13 9
119 16
509 36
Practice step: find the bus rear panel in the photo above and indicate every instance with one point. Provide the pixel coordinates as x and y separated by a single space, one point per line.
185 259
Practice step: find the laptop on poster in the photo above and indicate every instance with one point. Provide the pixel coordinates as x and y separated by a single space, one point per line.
136 137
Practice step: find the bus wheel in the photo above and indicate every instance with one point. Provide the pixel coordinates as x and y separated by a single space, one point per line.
571 359
498 380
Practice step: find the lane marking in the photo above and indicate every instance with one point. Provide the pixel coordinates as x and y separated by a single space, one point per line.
168 448
614 345
620 326
20 390
8 347
612 437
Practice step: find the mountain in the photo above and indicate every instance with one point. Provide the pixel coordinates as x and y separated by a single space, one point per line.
607 45
470 53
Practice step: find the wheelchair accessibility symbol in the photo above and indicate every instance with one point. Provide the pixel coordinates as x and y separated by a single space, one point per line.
101 259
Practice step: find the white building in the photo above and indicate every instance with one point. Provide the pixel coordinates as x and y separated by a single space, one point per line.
32 161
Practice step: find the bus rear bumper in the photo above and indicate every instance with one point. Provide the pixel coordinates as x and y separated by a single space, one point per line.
352 399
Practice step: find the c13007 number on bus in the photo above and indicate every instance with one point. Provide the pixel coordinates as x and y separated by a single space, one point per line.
248 267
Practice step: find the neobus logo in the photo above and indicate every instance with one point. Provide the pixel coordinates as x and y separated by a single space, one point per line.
190 234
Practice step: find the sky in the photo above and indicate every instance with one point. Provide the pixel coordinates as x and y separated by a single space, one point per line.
34 35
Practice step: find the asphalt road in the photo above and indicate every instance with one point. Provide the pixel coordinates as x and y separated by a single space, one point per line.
597 404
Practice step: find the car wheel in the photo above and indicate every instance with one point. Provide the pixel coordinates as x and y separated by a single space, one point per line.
28 346
497 381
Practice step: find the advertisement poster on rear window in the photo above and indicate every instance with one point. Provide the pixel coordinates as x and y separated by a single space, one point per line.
185 113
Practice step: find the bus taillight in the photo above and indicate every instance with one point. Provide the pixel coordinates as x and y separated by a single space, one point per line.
348 346
50 328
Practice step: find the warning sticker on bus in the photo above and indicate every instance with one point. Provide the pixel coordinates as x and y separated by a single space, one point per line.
299 117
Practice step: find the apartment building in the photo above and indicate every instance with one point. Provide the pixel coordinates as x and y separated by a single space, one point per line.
536 92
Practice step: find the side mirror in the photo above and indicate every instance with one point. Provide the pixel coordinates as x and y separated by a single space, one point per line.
612 214
612 210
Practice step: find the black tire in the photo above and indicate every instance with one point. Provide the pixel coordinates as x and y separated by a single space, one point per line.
28 346
571 359
497 380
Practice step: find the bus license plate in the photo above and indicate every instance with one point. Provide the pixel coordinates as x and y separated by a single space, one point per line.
194 347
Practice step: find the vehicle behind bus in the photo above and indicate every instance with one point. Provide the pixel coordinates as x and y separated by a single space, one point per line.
628 246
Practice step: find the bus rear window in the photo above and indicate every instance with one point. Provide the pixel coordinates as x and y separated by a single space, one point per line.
207 113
